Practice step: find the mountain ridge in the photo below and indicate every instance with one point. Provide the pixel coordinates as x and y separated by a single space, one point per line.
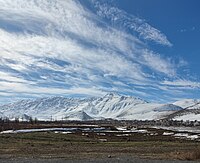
111 105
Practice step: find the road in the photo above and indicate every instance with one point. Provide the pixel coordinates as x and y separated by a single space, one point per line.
107 160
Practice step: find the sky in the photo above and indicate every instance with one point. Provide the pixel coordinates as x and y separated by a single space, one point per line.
84 48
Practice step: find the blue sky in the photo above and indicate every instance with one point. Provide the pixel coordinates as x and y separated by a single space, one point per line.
178 20
83 48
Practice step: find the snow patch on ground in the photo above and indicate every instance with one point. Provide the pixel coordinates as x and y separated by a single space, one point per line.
180 129
168 133
186 136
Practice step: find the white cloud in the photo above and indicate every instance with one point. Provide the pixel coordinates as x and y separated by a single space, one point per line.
157 63
120 17
186 84
60 47
10 78
22 88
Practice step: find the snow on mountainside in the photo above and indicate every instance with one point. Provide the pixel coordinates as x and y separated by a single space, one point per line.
44 108
188 103
149 111
190 111
168 107
109 106
112 105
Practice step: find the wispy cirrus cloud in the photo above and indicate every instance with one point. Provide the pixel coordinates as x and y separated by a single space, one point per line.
131 22
186 84
64 48
157 63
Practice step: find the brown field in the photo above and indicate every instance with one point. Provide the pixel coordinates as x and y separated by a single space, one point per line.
89 144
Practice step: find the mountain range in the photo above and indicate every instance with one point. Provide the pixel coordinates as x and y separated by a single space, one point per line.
111 105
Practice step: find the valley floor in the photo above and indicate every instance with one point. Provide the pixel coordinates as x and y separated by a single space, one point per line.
92 142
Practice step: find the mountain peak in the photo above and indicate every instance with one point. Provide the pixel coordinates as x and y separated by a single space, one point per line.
112 94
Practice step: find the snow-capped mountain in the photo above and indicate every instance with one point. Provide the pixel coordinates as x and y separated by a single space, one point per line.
190 111
44 108
188 104
109 106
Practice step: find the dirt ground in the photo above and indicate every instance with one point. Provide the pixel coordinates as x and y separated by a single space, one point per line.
91 145
102 160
